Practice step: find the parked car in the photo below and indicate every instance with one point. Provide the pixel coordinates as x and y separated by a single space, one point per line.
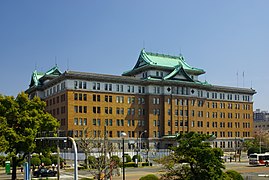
44 172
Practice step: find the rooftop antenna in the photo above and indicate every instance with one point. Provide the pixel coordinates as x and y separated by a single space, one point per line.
144 44
67 64
236 78
251 84
55 60
243 78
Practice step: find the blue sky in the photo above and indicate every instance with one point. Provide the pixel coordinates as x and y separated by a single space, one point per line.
222 37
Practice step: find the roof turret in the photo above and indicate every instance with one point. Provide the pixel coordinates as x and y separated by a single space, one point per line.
149 59
37 76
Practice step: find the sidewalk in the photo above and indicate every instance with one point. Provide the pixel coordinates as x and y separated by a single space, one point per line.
135 175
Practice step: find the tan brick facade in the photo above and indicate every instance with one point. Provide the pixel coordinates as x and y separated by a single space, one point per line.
75 110
140 100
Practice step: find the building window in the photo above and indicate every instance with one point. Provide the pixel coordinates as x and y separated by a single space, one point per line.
108 98
84 85
85 97
96 98
85 122
96 86
75 121
96 110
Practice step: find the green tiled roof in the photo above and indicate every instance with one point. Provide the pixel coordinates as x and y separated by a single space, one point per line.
165 61
36 76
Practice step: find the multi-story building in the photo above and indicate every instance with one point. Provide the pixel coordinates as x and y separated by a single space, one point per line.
261 122
160 97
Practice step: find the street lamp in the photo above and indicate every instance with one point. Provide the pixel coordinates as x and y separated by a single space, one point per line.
123 134
140 138
170 89
260 141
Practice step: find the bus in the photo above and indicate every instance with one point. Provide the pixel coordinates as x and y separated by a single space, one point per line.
259 159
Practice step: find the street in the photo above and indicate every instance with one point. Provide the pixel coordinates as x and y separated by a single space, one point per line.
248 172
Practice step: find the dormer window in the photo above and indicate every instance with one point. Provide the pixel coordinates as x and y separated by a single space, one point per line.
144 74
159 73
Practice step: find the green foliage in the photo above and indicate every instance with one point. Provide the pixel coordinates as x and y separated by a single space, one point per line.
3 159
133 164
253 150
149 177
127 158
129 164
46 161
146 164
20 121
35 161
234 175
54 159
193 158
115 159
248 144
101 162
138 157
92 161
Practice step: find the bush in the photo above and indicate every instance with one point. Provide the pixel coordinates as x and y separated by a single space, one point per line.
127 158
35 161
253 150
129 164
46 161
234 175
149 177
146 164
100 161
81 167
138 157
116 159
92 161
54 159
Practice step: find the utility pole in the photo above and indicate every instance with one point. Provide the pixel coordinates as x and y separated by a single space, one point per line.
105 151
137 150
171 106
123 134
58 161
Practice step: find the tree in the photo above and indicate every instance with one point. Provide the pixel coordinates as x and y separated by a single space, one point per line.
103 165
46 161
149 177
20 121
234 175
54 159
35 161
86 145
193 159
127 158
138 157
92 161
